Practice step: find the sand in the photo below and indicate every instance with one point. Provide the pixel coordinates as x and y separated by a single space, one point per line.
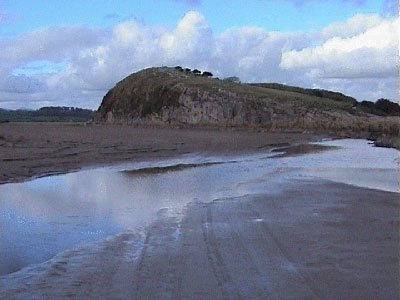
313 240
35 149
317 240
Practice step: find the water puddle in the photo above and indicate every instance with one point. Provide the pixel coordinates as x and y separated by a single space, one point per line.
46 216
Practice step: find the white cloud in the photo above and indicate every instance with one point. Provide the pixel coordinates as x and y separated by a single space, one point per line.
253 53
356 57
355 25
372 53
50 43
191 39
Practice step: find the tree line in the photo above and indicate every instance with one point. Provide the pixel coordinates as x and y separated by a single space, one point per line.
381 107
47 114
195 71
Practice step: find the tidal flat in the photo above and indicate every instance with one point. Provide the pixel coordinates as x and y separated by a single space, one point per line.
255 222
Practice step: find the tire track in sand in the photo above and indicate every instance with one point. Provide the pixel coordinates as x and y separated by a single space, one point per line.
286 256
215 259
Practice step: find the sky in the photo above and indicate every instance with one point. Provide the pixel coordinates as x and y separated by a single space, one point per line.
70 52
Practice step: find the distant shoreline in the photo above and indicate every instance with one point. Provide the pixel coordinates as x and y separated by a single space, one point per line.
46 114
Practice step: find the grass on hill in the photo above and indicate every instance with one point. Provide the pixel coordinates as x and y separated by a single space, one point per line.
255 92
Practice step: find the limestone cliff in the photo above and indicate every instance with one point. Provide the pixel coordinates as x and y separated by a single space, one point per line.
172 96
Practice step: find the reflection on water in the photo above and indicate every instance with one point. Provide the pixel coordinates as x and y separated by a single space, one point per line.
45 216
356 162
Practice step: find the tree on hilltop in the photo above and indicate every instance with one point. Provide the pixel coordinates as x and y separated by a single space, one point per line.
207 74
196 72
387 106
233 79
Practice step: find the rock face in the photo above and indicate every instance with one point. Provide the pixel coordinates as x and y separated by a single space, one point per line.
171 96
167 95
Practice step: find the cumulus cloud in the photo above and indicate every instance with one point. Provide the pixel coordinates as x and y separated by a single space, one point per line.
192 38
355 25
50 43
360 60
372 53
356 57
253 53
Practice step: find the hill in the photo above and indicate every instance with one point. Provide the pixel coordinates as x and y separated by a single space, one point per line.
382 107
176 96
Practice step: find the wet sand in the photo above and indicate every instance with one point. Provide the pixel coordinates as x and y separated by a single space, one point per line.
313 240
317 240
34 149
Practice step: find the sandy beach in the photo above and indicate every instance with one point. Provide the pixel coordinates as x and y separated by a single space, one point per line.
309 239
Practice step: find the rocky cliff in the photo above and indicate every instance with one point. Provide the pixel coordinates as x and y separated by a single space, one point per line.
173 96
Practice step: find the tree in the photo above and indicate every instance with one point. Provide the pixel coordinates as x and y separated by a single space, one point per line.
179 68
207 74
196 72
367 104
187 70
233 79
387 106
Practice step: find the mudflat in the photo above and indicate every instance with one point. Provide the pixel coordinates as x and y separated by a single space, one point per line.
310 239
34 149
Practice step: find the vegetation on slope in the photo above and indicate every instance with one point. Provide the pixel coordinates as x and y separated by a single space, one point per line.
151 89
155 88
312 92
382 107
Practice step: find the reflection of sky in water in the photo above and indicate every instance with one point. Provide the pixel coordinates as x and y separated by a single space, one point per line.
45 216
356 162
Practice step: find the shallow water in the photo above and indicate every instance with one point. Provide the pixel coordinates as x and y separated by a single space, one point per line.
355 162
45 216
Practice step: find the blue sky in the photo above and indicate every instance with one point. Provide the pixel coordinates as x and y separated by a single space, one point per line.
59 52
276 15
